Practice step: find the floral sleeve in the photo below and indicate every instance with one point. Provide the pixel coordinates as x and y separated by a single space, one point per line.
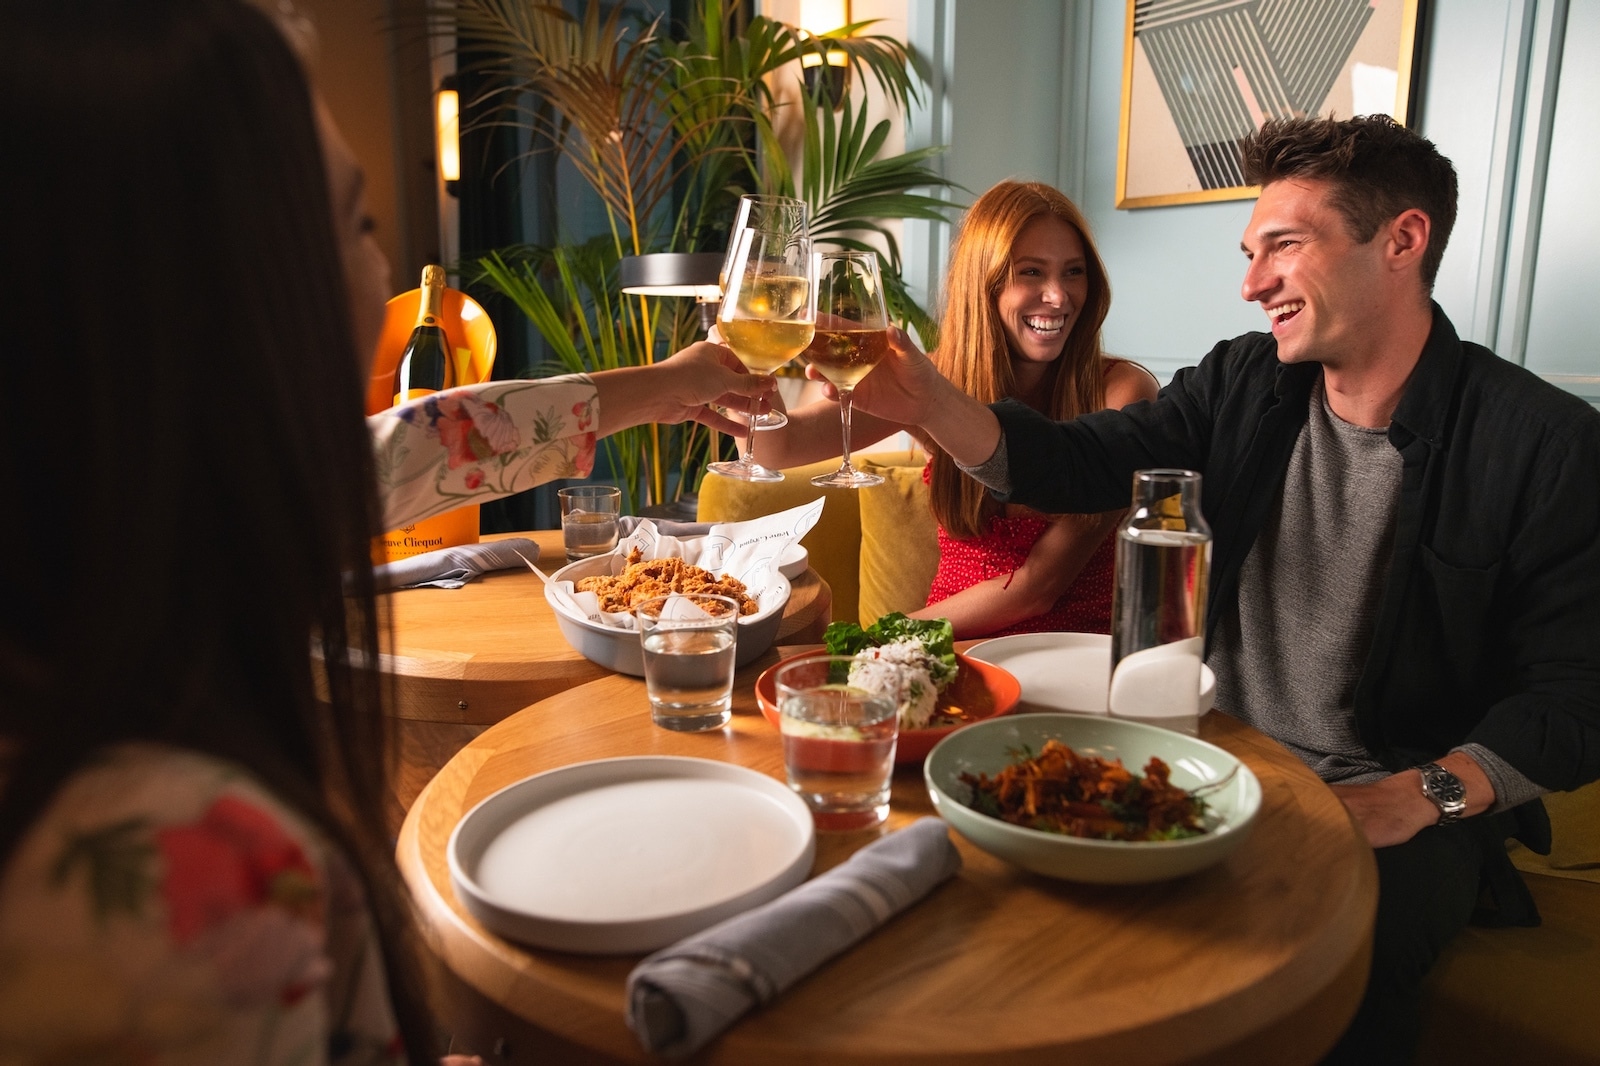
480 442
166 910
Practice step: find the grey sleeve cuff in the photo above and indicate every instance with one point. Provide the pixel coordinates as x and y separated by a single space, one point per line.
1511 789
994 473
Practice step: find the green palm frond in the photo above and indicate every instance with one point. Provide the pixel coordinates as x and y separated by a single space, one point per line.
652 124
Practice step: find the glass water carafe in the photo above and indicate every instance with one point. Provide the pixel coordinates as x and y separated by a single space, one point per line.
1159 608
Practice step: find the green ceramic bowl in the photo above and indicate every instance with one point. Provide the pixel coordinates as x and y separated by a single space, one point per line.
986 747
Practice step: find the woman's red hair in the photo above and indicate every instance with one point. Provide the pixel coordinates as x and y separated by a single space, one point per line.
973 351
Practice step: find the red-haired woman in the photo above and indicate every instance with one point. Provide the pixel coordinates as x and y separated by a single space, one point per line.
1025 296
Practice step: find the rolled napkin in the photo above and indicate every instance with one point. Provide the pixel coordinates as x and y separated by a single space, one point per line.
683 996
628 523
450 568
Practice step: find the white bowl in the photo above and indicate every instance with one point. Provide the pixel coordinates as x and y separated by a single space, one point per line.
1066 671
630 854
618 649
988 747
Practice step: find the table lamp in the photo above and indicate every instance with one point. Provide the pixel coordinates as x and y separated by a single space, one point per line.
676 274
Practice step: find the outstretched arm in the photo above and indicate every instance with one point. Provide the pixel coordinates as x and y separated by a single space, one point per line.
678 389
480 442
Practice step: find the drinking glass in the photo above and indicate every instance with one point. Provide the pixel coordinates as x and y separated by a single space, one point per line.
852 335
688 642
1158 610
782 216
767 317
589 519
838 742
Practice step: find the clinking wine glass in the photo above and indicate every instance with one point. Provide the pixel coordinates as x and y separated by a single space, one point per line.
852 336
782 216
767 316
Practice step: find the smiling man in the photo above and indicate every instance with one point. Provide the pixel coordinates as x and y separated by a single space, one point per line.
1406 570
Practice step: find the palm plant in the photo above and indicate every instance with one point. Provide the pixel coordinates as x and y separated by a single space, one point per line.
669 133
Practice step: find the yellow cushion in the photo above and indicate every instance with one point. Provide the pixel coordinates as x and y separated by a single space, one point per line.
834 543
1520 995
899 542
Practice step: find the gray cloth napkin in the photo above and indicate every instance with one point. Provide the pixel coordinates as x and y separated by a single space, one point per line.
450 568
683 996
628 523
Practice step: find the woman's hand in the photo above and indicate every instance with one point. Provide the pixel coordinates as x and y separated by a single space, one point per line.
679 389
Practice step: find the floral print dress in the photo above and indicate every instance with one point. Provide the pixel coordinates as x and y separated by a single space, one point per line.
166 910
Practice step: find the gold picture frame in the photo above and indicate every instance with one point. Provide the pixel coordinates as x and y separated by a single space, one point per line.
1198 75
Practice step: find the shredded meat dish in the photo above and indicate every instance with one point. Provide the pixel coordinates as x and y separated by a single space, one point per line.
645 579
1060 791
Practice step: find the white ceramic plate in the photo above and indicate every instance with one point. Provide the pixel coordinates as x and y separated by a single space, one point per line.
1066 671
628 855
1233 796
794 560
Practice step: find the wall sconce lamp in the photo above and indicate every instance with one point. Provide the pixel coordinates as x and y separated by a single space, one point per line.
447 133
676 274
825 71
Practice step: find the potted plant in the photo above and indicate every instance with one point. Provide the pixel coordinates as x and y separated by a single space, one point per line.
669 133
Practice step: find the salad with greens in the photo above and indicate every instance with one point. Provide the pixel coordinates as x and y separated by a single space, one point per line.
910 659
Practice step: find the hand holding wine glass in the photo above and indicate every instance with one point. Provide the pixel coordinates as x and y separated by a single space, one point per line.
851 337
782 216
767 318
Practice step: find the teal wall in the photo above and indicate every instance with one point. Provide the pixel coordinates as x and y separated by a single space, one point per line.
1032 88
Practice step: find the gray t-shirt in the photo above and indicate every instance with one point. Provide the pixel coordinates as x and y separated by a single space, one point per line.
1289 656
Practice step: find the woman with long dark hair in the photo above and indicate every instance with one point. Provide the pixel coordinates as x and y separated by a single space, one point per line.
193 862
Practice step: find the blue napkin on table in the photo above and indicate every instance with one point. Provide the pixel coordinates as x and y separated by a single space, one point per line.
683 996
450 568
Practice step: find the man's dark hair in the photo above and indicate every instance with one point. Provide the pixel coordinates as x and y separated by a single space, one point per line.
1378 169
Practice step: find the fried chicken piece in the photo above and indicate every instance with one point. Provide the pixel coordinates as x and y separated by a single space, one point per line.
645 579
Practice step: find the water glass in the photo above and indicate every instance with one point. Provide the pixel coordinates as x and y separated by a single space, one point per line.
589 519
838 742
688 640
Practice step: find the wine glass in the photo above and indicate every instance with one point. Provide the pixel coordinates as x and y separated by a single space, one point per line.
766 317
780 215
852 335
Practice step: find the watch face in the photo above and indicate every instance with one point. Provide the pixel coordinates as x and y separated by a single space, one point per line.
1443 787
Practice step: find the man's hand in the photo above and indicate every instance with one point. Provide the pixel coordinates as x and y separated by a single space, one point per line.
907 388
1394 810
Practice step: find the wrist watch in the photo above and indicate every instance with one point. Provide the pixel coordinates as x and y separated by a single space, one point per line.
1445 791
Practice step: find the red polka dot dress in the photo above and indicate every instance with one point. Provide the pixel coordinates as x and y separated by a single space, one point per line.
1085 607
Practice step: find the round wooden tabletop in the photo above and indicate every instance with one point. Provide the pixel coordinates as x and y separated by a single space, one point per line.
475 654
1260 959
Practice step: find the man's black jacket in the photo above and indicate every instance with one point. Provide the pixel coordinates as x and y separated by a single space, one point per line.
1489 625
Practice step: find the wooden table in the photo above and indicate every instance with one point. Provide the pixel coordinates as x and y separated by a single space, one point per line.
1261 959
463 659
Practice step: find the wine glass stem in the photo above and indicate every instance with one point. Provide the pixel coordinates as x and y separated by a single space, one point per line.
756 405
844 417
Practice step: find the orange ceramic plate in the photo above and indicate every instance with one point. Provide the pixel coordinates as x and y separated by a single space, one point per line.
980 691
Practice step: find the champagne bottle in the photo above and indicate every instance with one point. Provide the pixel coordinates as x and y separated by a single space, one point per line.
426 365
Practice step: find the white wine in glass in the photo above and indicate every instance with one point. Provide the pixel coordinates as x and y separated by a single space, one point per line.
852 337
767 317
781 216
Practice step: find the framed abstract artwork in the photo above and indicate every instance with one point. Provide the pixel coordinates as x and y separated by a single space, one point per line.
1199 75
